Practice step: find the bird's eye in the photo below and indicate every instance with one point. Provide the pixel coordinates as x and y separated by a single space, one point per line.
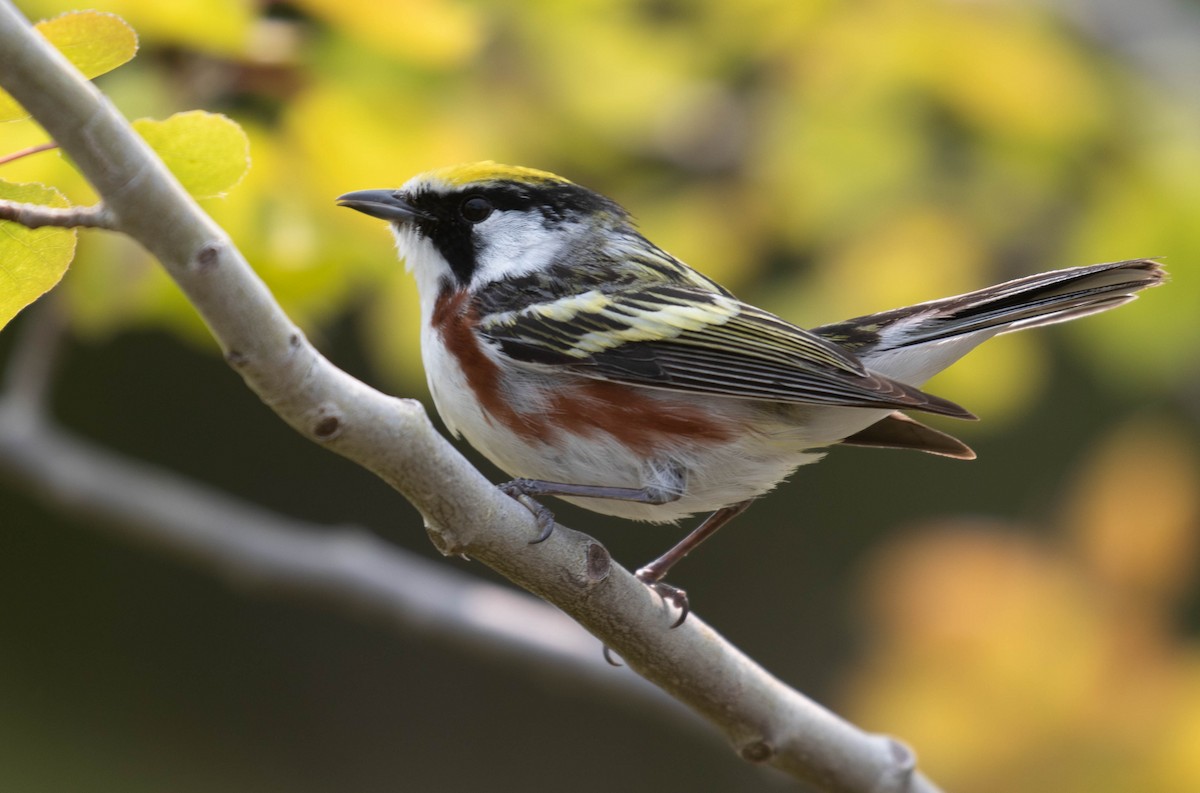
475 209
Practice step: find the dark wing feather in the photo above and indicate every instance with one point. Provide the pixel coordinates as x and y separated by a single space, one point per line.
689 339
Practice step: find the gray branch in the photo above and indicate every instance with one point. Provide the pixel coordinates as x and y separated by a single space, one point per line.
766 721
35 216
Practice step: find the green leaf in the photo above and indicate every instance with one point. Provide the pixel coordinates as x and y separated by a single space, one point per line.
208 153
31 260
93 41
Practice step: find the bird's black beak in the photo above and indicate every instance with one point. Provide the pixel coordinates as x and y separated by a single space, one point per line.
383 204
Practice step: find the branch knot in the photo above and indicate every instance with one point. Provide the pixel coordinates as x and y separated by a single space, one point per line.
327 422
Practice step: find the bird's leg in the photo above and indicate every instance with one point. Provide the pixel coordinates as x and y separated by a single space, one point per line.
652 575
524 490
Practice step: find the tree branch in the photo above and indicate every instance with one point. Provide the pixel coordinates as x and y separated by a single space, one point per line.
766 721
26 379
346 567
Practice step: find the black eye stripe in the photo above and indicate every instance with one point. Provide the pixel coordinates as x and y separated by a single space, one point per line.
556 201
451 218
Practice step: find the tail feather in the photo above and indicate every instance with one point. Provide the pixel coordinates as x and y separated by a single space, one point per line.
1034 301
912 344
1068 314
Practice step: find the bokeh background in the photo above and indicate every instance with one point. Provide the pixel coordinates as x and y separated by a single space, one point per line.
1028 621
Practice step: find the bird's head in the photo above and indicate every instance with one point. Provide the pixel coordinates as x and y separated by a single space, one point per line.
466 226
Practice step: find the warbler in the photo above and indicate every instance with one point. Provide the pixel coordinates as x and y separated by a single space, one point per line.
594 366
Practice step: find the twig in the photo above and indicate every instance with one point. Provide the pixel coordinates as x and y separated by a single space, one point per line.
766 721
35 216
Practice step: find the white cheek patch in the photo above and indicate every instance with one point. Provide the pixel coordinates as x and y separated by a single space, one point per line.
515 243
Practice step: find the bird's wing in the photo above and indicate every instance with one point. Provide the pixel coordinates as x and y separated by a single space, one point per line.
684 338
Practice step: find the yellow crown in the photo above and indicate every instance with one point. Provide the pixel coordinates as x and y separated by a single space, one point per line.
487 171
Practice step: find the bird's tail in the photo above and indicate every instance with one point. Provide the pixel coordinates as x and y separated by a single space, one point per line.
912 344
1031 302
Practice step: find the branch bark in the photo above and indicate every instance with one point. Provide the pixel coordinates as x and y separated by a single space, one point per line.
766 721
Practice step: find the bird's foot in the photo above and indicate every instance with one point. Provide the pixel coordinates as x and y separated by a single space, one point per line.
519 490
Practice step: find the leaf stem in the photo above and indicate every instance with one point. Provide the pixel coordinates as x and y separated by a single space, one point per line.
19 153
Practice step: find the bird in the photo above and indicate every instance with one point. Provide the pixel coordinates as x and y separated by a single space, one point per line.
591 365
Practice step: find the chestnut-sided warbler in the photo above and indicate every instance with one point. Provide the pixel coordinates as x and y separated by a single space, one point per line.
580 357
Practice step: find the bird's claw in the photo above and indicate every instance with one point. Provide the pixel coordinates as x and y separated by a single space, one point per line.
669 593
541 513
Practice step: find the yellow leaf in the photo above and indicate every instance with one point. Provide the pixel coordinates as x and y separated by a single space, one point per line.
94 42
207 152
31 260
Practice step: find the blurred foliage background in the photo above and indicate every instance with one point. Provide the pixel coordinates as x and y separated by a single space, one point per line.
1026 622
